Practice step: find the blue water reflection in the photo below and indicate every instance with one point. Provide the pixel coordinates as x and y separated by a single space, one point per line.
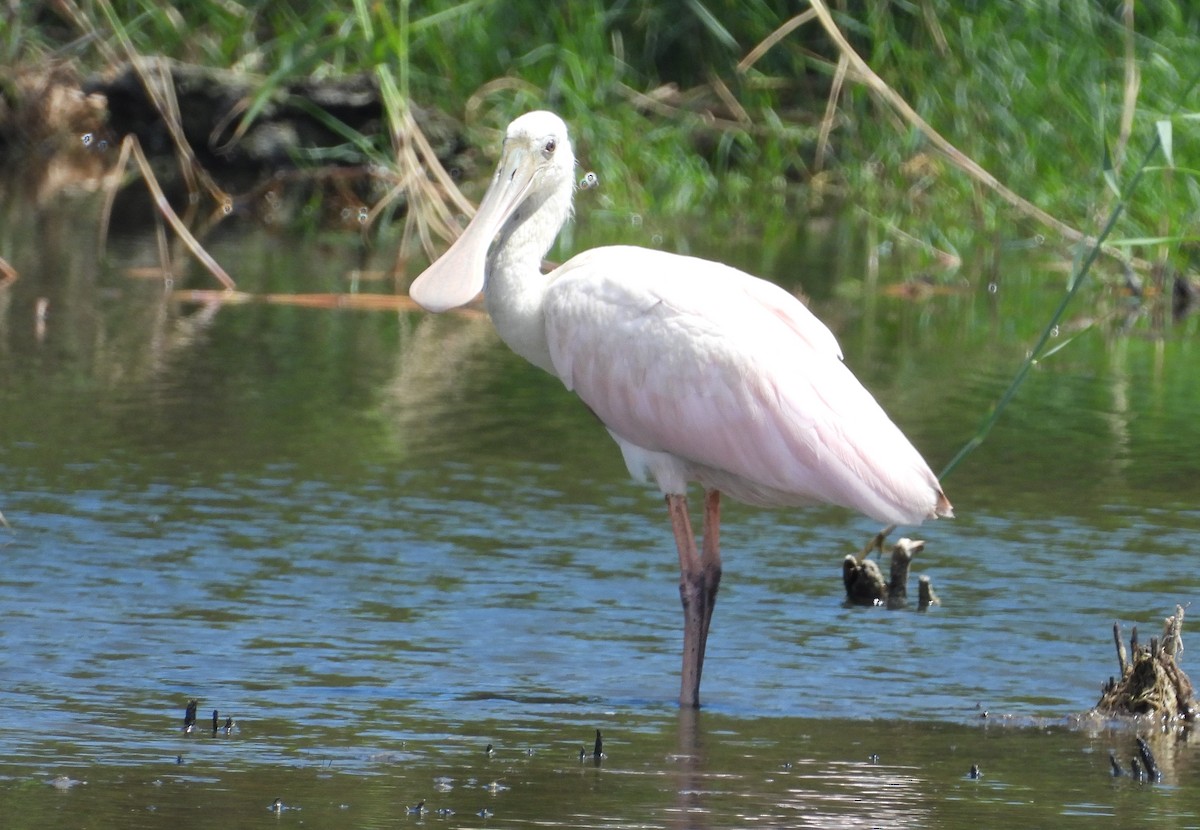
374 538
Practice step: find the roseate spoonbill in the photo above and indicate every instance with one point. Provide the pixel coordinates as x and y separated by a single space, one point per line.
701 373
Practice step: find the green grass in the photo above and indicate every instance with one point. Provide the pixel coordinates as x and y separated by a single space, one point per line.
1037 93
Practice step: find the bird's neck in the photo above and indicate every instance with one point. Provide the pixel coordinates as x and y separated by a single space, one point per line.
516 287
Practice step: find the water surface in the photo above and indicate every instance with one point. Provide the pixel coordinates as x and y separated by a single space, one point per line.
381 542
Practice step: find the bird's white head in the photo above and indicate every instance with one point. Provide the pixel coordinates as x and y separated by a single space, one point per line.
524 208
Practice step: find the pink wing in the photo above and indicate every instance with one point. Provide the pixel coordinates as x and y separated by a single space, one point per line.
732 375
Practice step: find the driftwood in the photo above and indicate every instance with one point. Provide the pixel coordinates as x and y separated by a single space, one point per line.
1151 681
865 585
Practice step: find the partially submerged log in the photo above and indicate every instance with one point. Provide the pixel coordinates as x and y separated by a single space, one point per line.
865 585
1151 681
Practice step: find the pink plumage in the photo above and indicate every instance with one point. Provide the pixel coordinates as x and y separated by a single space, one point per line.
700 372
733 377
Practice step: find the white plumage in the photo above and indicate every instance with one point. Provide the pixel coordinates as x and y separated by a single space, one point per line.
700 372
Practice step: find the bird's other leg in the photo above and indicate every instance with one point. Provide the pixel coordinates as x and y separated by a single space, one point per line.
699 577
710 560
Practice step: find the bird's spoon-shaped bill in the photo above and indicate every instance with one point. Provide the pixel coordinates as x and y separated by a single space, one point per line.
458 275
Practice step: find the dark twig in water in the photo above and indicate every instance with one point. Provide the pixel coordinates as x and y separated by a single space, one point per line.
1115 764
598 748
1152 771
925 594
902 556
1122 660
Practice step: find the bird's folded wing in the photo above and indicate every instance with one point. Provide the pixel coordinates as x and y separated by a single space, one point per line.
729 372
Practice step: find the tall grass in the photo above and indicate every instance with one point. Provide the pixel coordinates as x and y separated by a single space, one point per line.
694 104
1046 94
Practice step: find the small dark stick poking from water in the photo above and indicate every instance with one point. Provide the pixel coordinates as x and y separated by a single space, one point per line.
216 722
926 596
1117 772
598 749
1135 769
189 716
1122 659
1152 771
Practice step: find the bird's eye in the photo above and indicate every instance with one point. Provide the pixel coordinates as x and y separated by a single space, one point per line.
550 146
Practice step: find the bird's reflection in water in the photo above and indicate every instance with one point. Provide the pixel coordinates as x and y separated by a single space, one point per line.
825 788
691 761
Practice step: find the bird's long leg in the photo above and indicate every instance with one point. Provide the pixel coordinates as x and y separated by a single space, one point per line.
690 593
699 578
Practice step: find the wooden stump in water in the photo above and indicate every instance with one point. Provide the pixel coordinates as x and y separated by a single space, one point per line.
864 579
1151 681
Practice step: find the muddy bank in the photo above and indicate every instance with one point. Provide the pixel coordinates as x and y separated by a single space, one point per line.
240 135
297 123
